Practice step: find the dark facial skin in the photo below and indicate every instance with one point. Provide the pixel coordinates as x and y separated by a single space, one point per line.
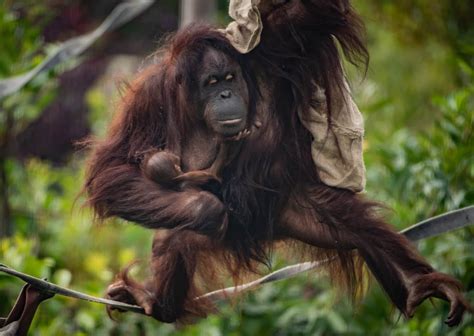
223 95
222 100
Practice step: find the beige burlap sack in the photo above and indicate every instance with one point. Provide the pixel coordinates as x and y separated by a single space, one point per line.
244 32
337 149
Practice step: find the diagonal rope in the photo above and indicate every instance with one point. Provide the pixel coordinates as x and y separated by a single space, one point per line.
123 13
428 228
55 289
435 226
281 274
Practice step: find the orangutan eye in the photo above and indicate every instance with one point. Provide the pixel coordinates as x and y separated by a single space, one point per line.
229 77
212 81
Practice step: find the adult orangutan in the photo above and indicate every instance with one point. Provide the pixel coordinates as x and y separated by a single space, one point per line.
209 143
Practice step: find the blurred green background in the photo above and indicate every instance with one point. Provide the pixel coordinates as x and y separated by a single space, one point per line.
418 101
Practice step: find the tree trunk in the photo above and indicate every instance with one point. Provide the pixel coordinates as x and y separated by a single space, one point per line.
198 11
5 215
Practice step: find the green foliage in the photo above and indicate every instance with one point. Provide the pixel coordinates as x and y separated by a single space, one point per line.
420 162
20 51
416 21
426 174
20 39
435 164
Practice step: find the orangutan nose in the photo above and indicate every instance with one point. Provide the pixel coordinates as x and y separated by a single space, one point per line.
226 94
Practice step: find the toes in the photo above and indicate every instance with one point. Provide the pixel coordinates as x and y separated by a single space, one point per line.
136 294
142 298
415 300
116 289
117 292
455 314
120 291
440 286
458 306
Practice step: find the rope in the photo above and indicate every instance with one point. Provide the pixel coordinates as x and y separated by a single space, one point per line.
53 288
123 13
428 228
281 274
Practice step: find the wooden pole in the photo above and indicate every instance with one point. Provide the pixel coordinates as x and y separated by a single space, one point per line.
198 11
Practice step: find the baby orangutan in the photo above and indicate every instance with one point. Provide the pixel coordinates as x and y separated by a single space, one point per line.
164 168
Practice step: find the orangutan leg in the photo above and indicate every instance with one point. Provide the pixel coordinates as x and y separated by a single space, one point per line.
338 219
168 295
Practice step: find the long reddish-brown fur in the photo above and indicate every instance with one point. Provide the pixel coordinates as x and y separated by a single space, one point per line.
270 191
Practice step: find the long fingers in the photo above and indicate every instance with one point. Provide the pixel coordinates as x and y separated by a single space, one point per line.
456 313
439 286
241 135
458 305
120 291
415 300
